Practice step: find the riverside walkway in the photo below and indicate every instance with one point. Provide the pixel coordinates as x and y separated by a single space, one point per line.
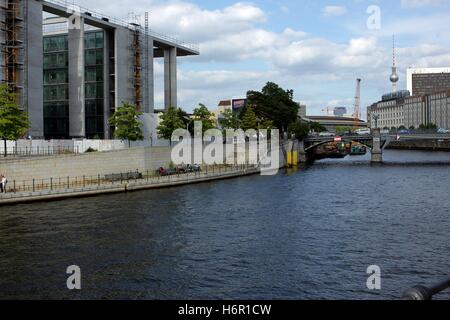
58 189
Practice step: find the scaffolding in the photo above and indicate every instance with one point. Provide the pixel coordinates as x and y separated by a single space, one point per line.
136 49
11 26
146 62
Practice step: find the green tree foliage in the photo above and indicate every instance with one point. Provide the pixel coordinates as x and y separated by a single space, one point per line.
299 130
317 127
430 126
343 129
205 116
172 120
13 121
230 120
127 124
266 125
275 104
249 120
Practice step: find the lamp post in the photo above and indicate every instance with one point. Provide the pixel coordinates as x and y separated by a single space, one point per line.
376 117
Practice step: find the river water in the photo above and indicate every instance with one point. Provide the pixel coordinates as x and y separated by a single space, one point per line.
303 234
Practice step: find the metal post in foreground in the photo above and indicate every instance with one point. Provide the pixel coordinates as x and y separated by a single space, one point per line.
424 293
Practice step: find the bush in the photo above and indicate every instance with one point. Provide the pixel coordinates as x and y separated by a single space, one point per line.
91 150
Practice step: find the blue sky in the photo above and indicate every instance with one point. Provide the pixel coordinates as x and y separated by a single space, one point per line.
317 48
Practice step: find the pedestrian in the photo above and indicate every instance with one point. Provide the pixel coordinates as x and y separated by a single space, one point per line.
1 183
4 181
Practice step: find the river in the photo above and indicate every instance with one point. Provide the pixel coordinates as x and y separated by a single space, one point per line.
303 234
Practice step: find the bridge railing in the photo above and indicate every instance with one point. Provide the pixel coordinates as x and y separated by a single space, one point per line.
426 293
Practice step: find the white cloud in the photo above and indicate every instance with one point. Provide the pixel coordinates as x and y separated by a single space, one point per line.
421 3
334 11
321 70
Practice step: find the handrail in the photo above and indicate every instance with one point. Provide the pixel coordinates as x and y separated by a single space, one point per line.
426 293
120 22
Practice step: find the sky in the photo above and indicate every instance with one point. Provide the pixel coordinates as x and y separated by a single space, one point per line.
318 48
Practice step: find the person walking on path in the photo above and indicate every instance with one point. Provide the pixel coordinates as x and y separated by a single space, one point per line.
3 183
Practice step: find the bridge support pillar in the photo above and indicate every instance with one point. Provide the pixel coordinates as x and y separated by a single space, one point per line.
377 151
302 154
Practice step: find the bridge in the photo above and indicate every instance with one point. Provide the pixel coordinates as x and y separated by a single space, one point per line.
375 142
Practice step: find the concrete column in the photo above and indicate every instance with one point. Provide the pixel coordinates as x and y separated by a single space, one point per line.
35 70
122 55
108 68
377 151
302 154
77 114
170 77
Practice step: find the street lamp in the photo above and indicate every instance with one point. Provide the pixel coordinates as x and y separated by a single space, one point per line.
187 123
376 117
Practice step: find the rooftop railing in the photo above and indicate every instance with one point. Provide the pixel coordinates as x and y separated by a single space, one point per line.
120 22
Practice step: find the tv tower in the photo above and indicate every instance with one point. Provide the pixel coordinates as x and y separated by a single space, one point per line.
394 76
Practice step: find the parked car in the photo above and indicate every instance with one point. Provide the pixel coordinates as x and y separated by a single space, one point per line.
443 131
404 132
166 172
194 168
385 131
362 132
326 134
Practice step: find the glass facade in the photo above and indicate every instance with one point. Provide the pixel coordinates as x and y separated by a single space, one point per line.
56 86
94 86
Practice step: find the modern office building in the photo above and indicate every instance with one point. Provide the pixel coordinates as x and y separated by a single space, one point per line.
72 67
423 81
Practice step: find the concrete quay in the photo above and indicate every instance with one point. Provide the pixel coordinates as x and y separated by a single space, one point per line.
127 186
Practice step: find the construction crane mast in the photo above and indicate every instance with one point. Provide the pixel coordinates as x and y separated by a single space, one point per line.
357 110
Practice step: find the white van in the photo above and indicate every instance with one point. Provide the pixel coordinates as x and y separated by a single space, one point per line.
362 132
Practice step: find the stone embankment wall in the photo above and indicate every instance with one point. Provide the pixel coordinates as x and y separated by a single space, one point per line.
98 163
427 145
88 164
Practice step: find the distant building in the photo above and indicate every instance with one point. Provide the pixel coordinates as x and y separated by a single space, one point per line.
302 110
423 81
331 123
340 111
411 111
388 113
428 109
238 105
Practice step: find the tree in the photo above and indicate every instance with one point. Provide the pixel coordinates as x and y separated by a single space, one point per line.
276 104
13 121
343 129
171 121
127 123
316 127
230 120
205 116
299 129
265 124
249 120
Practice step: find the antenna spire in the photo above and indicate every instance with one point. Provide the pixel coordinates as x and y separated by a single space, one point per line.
394 76
393 49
